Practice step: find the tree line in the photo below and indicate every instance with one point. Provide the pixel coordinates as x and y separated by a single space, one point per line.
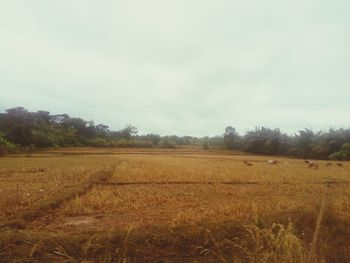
331 144
22 130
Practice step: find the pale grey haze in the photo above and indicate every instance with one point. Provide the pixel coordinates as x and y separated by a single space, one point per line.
179 67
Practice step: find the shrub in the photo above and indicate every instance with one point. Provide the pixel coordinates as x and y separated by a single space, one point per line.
2 151
167 143
343 154
132 143
98 142
6 146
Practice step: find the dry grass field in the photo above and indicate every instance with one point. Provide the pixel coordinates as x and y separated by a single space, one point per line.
181 205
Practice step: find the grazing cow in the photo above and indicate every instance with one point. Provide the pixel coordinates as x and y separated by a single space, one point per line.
271 162
311 164
248 163
328 164
340 164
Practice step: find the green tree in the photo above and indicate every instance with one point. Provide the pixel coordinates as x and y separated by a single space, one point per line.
231 138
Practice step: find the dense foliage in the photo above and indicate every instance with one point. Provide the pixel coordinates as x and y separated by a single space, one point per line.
21 129
333 144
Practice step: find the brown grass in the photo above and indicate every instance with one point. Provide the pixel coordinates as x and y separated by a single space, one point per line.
184 203
25 181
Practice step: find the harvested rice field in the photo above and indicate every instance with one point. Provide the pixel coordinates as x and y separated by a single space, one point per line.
181 205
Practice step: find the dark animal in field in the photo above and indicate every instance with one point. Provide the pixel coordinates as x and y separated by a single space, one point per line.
328 164
36 170
248 163
311 164
340 164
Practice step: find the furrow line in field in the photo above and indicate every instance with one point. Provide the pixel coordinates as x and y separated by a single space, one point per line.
174 182
20 219
208 183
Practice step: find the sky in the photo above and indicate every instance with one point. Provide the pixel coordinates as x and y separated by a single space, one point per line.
186 67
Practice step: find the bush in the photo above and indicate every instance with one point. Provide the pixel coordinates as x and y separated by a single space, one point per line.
6 146
167 143
144 144
2 151
99 142
132 143
205 145
343 154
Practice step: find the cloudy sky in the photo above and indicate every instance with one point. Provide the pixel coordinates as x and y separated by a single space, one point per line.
179 66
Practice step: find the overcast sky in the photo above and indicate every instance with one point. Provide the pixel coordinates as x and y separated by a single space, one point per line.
182 66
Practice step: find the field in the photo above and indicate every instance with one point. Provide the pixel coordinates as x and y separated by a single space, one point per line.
181 205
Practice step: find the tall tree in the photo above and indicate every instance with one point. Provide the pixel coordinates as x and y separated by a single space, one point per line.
231 138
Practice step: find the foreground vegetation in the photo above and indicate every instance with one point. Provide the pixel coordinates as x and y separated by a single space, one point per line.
187 205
